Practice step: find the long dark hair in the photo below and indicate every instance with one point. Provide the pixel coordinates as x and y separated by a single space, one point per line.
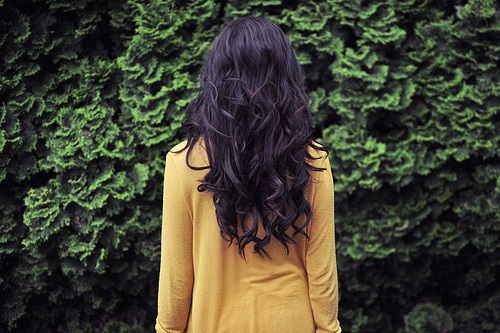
253 117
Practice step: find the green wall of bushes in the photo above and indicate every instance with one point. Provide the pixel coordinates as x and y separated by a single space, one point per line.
92 96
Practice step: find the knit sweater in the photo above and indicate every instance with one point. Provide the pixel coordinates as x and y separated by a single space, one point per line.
206 287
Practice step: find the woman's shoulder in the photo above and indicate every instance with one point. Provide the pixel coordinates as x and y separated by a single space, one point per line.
318 155
182 153
179 148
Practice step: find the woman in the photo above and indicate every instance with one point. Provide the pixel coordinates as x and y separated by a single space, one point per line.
247 232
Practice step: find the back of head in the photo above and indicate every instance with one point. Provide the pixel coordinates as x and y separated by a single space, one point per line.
252 114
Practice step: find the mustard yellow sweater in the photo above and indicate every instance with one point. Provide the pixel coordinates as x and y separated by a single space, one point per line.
206 287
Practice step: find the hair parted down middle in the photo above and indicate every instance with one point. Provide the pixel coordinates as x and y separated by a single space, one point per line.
253 116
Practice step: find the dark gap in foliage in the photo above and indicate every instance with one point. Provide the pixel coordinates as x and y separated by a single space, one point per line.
411 43
318 73
24 6
447 7
98 44
124 215
389 53
386 126
121 35
454 278
495 286
67 20
357 199
155 87
327 116
291 4
468 166
92 46
350 37
221 13
40 179
109 37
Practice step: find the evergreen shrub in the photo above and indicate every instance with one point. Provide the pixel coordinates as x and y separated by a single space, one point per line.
427 318
92 96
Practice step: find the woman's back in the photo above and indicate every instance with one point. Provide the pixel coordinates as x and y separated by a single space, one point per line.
205 283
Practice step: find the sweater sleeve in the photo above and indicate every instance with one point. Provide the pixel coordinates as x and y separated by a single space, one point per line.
320 255
176 265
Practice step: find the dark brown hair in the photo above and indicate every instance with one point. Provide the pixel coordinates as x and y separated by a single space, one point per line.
253 116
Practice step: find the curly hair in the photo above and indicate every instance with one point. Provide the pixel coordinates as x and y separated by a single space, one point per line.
252 113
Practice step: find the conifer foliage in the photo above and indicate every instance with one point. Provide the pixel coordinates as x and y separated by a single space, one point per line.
92 96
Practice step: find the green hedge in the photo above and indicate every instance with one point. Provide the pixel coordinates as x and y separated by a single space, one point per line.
92 96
